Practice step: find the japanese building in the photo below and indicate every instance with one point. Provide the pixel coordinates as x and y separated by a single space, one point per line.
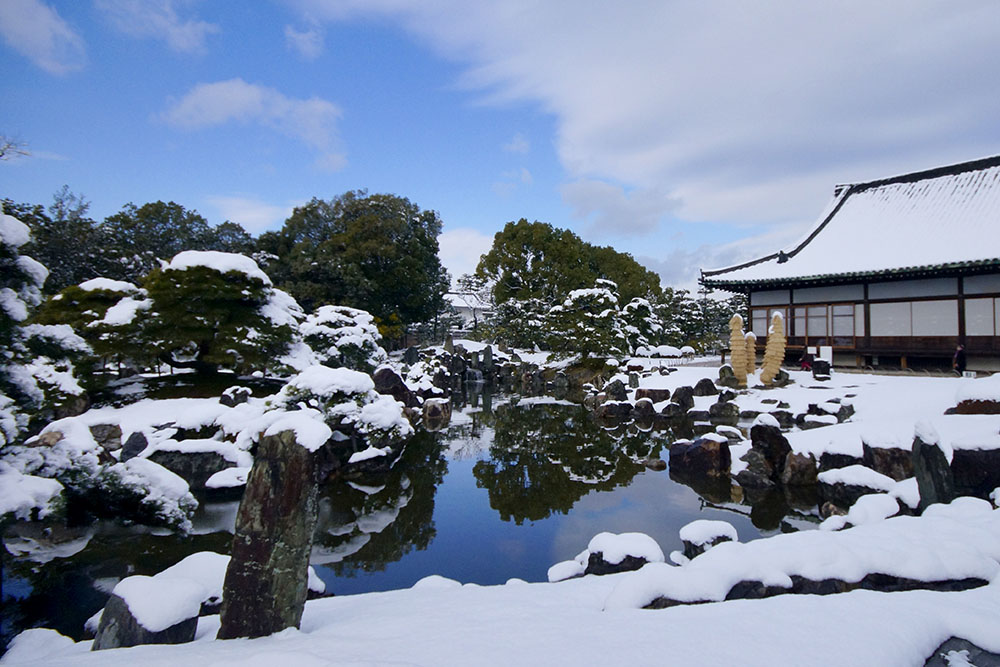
896 272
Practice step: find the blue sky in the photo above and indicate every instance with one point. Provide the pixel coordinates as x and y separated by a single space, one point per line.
688 134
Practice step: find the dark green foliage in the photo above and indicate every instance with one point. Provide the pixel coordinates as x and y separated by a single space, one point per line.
204 319
373 252
588 322
534 260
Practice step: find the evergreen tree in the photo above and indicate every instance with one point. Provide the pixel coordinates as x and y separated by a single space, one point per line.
589 322
341 336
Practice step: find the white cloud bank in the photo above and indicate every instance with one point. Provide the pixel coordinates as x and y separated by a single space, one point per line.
312 121
461 248
727 110
158 19
38 33
253 214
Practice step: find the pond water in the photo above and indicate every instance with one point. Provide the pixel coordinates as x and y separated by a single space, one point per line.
506 491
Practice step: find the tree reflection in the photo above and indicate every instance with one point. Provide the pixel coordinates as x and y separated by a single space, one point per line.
367 523
544 458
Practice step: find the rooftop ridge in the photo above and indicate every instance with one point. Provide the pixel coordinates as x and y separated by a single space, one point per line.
927 174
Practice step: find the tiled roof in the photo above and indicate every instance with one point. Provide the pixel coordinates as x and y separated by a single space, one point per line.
915 224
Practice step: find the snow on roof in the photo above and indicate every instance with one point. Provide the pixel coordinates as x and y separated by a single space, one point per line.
223 262
466 300
944 217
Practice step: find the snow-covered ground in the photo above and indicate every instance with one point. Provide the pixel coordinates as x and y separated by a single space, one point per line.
594 620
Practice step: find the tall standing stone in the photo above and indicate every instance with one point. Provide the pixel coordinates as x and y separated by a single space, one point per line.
266 582
931 468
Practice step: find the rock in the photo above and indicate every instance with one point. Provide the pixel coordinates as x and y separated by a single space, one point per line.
193 467
119 628
758 474
266 582
784 417
133 446
449 345
969 407
47 439
844 495
828 509
705 387
727 395
411 355
727 378
633 380
724 413
934 477
108 436
610 410
616 390
655 464
655 395
673 411
890 461
821 369
643 409
73 406
235 396
437 410
769 441
487 359
684 397
970 654
976 472
829 461
708 456
387 382
597 565
699 416
799 470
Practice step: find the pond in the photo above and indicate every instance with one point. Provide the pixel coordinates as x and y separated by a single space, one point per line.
507 490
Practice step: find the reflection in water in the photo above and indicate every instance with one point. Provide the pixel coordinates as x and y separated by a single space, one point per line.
544 458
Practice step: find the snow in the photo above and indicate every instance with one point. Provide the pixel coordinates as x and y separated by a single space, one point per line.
310 432
22 494
228 478
324 381
704 531
109 285
371 452
158 604
867 509
857 475
124 311
615 548
13 232
223 262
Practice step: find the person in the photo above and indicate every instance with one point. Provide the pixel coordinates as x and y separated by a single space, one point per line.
806 361
958 361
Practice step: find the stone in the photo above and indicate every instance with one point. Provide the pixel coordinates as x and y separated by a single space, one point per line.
673 411
692 550
770 442
47 439
387 382
934 477
655 395
970 653
73 407
969 407
643 409
633 380
488 359
785 418
449 345
108 436
727 395
724 413
235 396
119 628
655 464
781 379
704 456
758 474
705 387
890 461
266 582
976 472
437 410
616 390
193 467
829 461
597 565
411 355
133 446
799 470
611 410
684 397
821 369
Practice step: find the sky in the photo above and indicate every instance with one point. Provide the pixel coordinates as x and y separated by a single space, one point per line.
688 134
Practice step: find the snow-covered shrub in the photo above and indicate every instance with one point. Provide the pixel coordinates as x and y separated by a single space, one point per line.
36 362
347 400
641 325
344 337
589 322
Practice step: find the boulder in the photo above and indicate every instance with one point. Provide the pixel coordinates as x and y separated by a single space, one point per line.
108 436
829 461
708 456
724 413
821 369
411 355
673 411
758 474
890 461
643 409
119 628
977 407
799 470
234 396
785 418
727 378
437 413
613 410
193 467
597 565
684 397
387 382
976 472
770 442
655 395
705 387
616 390
133 446
267 579
930 466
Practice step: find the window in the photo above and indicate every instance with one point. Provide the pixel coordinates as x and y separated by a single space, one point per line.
891 319
917 318
760 320
981 317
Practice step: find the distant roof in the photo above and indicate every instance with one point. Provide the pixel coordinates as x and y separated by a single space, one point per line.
467 300
914 224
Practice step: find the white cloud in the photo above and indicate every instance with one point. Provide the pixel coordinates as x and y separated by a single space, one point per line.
461 248
253 214
307 43
609 211
38 33
701 100
313 120
159 19
510 180
518 144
